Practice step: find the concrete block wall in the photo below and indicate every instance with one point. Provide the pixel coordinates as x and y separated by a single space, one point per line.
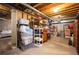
5 25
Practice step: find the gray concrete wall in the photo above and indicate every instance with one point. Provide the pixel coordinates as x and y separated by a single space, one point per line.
5 25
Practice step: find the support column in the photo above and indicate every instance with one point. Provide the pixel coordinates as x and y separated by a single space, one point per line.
77 33
14 27
78 36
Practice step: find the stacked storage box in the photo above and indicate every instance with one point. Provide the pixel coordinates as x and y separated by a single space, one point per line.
26 32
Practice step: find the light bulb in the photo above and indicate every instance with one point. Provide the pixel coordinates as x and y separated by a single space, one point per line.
56 10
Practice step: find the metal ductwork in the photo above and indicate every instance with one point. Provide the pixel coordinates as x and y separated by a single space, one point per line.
30 7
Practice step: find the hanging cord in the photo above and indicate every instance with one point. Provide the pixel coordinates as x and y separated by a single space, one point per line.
27 14
22 14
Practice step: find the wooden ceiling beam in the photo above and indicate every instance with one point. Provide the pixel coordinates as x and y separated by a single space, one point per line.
49 6
74 9
53 6
70 7
4 8
37 5
67 13
67 8
43 5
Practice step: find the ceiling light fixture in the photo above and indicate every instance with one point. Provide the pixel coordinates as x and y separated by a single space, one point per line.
56 10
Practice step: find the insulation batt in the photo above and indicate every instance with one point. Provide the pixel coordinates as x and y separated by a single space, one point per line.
23 21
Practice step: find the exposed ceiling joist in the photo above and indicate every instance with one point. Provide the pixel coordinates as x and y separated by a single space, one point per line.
37 11
50 10
4 12
4 8
65 13
70 7
50 6
37 5
71 10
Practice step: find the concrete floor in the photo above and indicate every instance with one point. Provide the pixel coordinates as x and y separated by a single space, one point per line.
4 44
55 46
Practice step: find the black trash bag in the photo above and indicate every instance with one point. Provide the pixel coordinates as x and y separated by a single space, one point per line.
58 34
70 42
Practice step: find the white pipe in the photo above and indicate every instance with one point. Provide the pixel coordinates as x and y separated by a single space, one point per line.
30 7
3 19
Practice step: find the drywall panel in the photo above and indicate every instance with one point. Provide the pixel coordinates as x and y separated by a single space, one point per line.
5 25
